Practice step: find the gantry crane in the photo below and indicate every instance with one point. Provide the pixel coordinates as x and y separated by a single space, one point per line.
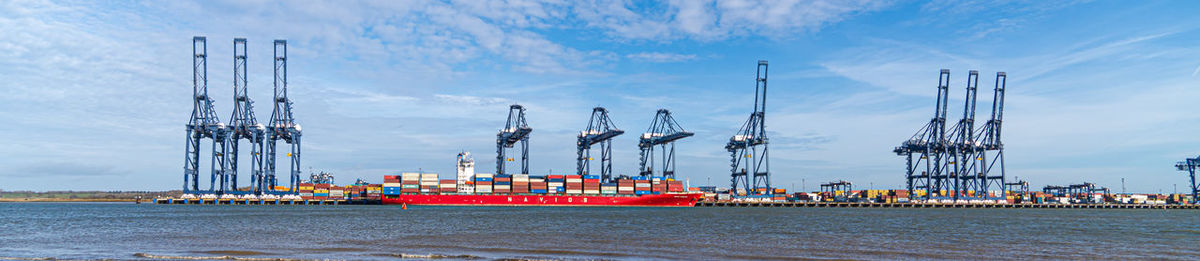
924 150
515 131
748 148
600 130
993 171
1190 165
663 132
204 124
1019 187
243 124
964 148
282 125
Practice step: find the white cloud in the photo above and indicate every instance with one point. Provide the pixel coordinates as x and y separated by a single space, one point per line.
716 20
661 57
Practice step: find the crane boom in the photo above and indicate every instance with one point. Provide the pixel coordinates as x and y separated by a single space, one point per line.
600 130
516 130
663 132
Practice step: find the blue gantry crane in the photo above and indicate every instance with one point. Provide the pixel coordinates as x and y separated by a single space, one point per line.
1190 165
204 124
748 148
663 133
515 131
600 130
243 124
963 149
992 169
924 150
282 126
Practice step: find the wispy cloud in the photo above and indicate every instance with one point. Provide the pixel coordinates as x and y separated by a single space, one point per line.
658 57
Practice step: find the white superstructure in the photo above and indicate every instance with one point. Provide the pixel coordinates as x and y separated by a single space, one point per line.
466 173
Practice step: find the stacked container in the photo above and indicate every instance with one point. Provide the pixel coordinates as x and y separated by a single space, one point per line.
483 182
502 184
306 190
555 184
641 186
373 192
448 186
520 183
591 184
336 192
429 183
410 182
537 185
625 186
391 185
677 186
321 191
574 184
658 185
608 188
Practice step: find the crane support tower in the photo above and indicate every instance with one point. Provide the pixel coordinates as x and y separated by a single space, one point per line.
204 124
282 126
243 124
515 131
992 169
748 148
963 149
663 132
1190 165
600 130
924 150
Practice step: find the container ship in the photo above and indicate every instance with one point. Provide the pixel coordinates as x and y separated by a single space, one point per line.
528 190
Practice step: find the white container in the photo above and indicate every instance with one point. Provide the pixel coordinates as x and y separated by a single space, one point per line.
483 175
503 187
574 191
591 191
642 185
391 184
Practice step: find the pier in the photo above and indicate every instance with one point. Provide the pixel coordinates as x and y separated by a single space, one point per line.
195 201
936 205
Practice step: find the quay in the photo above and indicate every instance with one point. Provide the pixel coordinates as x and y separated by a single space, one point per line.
196 201
939 205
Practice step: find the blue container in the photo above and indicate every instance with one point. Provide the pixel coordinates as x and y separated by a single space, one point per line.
537 177
610 184
591 176
320 194
642 192
560 189
502 183
483 179
554 180
538 191
503 176
639 178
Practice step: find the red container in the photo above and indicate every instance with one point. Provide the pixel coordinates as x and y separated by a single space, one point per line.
574 176
447 181
502 179
410 182
554 176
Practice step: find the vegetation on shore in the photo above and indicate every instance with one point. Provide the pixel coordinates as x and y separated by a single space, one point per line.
81 196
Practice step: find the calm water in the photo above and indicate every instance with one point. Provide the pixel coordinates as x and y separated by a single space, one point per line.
122 231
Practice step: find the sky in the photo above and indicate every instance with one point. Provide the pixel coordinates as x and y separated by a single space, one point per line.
95 95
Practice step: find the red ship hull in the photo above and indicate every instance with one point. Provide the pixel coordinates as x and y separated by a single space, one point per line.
658 200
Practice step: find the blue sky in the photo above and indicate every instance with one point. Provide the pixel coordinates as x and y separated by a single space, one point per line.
96 94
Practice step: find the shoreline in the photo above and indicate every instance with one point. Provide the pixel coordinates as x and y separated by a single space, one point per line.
19 200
